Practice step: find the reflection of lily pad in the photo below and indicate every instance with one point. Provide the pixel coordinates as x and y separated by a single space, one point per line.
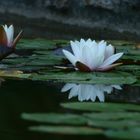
124 134
55 118
67 130
121 124
101 107
110 116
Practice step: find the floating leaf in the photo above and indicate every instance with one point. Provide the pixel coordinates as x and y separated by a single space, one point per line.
55 118
101 107
69 130
87 78
124 134
110 116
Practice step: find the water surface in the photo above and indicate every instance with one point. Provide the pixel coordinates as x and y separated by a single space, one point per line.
24 96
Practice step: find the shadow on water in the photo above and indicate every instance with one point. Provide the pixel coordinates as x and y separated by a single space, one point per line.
19 97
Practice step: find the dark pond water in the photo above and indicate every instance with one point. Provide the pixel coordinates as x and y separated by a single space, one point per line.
18 97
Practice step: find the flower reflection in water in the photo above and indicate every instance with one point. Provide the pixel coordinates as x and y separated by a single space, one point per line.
89 91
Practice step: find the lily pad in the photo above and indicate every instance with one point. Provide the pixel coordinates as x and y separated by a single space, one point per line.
55 118
68 130
43 60
124 134
87 78
109 116
101 107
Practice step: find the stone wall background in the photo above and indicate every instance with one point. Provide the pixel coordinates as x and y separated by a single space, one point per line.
68 19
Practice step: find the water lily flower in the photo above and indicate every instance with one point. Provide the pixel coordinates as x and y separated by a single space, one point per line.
89 55
89 91
7 41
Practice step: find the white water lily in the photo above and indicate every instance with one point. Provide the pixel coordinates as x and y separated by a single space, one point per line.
89 55
88 91
7 36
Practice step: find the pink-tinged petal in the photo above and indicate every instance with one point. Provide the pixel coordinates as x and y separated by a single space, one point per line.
70 57
3 36
67 87
109 51
109 67
111 60
18 37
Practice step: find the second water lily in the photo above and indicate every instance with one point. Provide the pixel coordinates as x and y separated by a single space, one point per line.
7 41
89 55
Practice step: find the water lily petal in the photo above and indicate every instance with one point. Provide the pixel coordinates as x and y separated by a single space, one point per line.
109 67
99 92
109 51
75 49
101 53
97 57
87 57
70 57
82 42
67 87
101 96
111 60
117 87
74 92
82 92
18 37
108 89
9 33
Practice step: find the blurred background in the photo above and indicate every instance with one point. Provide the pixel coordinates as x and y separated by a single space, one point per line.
73 19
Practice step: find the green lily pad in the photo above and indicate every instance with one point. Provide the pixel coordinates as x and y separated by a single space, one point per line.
68 130
42 60
109 116
124 134
101 107
130 68
55 118
14 73
118 125
87 78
